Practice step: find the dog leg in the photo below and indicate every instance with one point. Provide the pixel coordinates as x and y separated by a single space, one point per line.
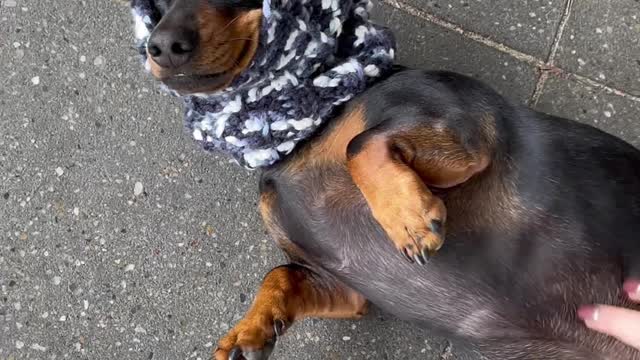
288 293
393 169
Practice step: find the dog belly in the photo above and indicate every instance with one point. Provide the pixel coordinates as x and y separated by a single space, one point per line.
463 292
474 287
334 228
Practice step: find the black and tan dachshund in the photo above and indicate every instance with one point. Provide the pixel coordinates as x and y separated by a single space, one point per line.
541 214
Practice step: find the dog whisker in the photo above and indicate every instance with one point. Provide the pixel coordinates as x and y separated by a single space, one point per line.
226 42
213 35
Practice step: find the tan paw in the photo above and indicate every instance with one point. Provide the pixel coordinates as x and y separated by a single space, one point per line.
415 222
251 339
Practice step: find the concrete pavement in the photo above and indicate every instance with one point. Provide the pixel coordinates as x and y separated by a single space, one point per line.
120 239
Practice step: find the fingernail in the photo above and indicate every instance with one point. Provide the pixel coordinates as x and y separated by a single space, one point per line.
588 313
632 288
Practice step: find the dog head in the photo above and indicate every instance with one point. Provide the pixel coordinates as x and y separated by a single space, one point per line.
200 46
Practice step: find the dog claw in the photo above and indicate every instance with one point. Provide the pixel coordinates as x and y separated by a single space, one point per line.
279 327
425 254
406 255
238 354
419 259
235 354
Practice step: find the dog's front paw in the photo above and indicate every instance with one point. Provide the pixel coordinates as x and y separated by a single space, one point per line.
253 338
414 220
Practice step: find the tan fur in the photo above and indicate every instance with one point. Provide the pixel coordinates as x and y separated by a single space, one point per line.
399 200
288 295
228 42
277 233
331 147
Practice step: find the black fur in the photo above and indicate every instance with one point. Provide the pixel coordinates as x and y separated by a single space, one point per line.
544 229
552 224
216 4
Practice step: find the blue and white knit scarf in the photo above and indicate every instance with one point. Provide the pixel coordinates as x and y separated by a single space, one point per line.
313 55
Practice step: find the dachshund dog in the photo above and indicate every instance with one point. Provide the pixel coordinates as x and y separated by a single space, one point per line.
540 214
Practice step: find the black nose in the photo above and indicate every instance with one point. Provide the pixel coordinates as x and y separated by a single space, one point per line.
172 48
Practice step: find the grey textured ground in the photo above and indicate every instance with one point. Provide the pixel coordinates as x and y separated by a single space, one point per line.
119 239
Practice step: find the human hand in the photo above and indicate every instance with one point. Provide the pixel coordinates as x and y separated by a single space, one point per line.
623 324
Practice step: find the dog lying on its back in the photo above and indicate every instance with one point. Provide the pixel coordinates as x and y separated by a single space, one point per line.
541 214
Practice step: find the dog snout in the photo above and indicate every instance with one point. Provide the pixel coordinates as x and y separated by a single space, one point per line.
172 47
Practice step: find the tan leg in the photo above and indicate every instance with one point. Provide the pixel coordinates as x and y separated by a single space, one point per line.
288 293
392 170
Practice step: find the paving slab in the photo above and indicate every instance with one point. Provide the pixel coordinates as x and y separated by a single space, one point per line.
119 238
611 113
602 41
427 46
525 25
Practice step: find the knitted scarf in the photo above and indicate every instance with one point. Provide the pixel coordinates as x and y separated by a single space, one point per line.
313 55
